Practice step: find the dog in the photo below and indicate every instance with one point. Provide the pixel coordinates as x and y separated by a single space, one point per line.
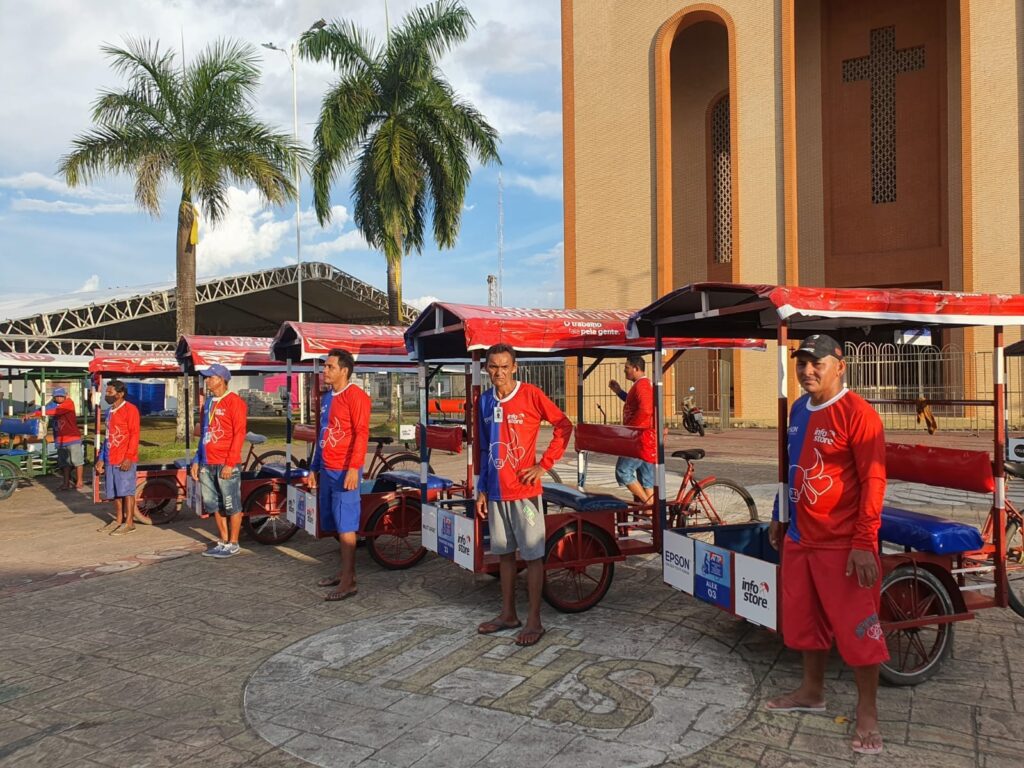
924 411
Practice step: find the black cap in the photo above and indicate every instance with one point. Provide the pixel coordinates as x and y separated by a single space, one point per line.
820 345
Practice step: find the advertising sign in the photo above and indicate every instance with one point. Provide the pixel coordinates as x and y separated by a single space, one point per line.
301 509
677 561
193 495
757 594
455 538
428 516
713 579
311 510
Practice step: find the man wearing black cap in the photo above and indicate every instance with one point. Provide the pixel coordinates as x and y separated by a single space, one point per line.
216 463
830 566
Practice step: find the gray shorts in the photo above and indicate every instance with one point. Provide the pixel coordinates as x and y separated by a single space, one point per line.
517 525
71 455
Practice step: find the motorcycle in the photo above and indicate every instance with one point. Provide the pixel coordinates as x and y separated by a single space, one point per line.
693 416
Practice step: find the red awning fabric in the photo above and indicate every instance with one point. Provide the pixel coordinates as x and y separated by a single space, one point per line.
726 309
236 353
114 362
451 331
367 343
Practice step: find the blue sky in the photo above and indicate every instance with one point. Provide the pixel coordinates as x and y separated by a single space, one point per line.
58 240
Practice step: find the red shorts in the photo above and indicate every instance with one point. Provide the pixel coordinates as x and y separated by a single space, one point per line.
820 603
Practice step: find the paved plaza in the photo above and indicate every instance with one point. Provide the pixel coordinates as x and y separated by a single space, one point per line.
137 652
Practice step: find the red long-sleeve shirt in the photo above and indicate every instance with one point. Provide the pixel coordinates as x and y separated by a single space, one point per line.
223 430
122 440
639 412
344 430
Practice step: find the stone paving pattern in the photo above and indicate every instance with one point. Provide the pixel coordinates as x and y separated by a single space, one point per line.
178 660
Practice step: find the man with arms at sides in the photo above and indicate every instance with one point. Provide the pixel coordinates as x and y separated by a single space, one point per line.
338 458
637 475
216 463
68 437
119 458
830 565
509 493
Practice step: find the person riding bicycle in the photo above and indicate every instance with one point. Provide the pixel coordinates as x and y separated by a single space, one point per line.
637 475
831 588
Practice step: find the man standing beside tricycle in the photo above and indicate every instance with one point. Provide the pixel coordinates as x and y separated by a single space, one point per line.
830 565
637 475
119 458
510 494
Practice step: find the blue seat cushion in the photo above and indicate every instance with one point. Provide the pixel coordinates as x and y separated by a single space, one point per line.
182 463
411 479
278 471
927 533
13 452
564 496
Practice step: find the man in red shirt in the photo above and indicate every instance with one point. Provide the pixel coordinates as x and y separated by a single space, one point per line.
637 475
509 493
830 565
67 436
119 458
216 463
338 465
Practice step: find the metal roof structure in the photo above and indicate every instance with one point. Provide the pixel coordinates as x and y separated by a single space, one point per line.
142 318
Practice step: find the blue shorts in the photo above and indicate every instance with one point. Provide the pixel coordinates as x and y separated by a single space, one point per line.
220 496
119 483
339 510
628 470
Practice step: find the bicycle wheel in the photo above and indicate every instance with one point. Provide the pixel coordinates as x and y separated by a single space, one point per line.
720 502
267 457
553 476
577 588
1015 566
917 652
264 511
394 540
8 479
157 498
406 461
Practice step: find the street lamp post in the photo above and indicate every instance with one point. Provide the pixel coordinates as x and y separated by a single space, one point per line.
291 54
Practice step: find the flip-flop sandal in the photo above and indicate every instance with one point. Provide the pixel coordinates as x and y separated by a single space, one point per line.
793 706
522 643
490 627
329 581
333 597
857 744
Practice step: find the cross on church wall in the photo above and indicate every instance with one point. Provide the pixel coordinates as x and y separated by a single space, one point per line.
880 67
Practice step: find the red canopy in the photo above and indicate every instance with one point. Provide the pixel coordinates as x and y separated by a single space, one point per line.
367 343
728 309
114 362
450 331
236 353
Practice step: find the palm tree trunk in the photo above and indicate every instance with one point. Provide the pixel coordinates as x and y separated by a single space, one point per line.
395 317
184 293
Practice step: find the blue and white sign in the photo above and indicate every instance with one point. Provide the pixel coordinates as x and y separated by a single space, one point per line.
446 534
451 534
428 534
677 561
713 578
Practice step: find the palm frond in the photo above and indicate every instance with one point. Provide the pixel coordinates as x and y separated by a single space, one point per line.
350 50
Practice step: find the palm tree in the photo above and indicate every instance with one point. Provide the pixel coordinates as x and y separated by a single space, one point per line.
194 123
393 115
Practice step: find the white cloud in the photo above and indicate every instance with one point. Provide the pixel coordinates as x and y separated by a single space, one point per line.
29 204
37 181
91 284
546 258
248 233
349 241
549 185
422 302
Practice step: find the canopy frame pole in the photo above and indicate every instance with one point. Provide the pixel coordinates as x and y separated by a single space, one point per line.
473 462
783 417
581 375
998 468
288 416
658 502
422 384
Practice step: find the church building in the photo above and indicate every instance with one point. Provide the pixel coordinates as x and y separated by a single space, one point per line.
802 142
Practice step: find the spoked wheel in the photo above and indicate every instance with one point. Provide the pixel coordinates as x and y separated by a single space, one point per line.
720 502
577 588
393 534
8 479
1015 565
553 476
265 519
404 462
157 499
916 653
267 457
